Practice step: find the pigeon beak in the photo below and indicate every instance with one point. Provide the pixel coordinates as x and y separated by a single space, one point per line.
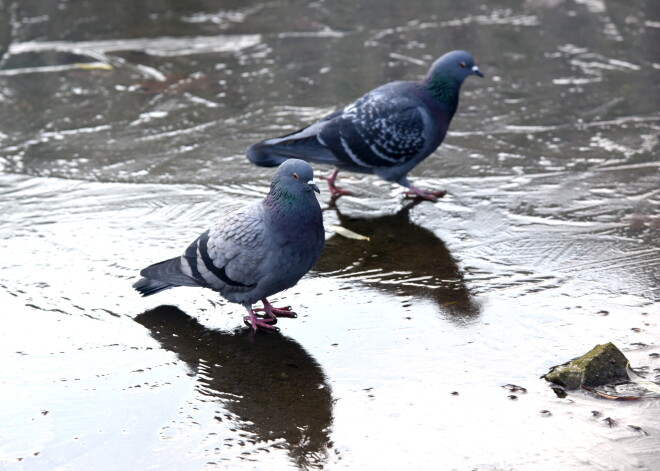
313 186
477 72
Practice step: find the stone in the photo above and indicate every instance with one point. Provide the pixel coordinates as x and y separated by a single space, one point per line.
603 364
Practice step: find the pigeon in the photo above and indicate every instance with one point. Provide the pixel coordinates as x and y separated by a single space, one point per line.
254 252
386 132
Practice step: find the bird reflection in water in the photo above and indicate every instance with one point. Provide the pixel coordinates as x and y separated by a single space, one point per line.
401 257
277 390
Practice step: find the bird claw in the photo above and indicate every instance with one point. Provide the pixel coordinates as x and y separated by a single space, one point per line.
283 312
268 319
335 191
260 322
430 195
274 312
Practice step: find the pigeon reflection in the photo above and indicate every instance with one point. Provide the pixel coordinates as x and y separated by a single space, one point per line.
276 388
401 257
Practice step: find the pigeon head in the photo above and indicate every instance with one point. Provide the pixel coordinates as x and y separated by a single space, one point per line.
444 78
455 64
294 176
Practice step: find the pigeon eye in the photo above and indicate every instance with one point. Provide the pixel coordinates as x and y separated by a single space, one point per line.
462 64
294 176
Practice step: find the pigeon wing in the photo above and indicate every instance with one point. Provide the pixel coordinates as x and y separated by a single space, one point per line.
380 130
227 256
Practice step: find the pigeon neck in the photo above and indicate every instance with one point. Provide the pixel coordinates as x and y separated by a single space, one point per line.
444 90
279 196
286 207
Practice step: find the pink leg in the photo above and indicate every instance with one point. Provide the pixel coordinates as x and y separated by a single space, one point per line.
431 195
332 188
275 312
259 323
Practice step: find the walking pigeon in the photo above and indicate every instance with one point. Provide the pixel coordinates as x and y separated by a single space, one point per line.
386 132
254 252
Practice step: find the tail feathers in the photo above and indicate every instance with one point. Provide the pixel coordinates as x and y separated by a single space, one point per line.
161 276
303 144
260 155
272 152
147 286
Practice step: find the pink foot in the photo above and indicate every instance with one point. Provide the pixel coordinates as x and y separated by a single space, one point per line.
259 323
431 195
332 188
275 312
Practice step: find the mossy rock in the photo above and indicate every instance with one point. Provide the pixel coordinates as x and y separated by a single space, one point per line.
604 364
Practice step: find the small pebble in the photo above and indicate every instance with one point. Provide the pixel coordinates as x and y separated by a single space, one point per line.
514 388
638 429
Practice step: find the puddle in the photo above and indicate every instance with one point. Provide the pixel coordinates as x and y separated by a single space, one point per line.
122 138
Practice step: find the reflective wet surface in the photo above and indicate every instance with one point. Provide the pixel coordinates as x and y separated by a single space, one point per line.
122 137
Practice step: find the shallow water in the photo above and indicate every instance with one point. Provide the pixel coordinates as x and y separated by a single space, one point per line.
406 345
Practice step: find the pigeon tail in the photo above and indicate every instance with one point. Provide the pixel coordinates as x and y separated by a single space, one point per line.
273 152
147 286
161 276
260 155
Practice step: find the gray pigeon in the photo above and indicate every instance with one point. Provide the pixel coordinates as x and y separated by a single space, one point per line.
386 132
254 252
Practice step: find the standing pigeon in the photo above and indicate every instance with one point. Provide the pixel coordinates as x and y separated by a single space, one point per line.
386 132
254 252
